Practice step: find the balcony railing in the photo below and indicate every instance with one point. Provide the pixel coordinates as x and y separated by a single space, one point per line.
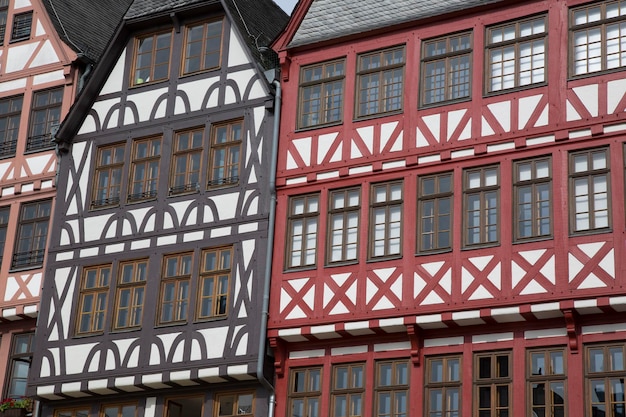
186 188
146 195
26 259
39 142
224 181
7 149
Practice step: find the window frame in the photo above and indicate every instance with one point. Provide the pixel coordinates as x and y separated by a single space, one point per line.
218 298
180 304
52 111
516 42
135 78
590 175
396 389
4 17
535 184
605 376
188 153
547 378
136 298
235 404
323 82
231 143
387 205
349 393
309 393
100 289
120 406
493 381
5 218
436 197
344 213
13 118
203 42
72 412
483 190
380 72
117 166
445 385
306 217
16 357
150 184
600 24
18 34
447 56
35 256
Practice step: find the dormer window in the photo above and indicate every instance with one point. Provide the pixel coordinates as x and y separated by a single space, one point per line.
152 58
203 44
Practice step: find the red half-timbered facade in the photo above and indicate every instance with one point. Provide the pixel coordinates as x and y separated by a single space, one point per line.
451 200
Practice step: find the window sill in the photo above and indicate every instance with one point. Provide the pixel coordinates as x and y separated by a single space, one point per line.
342 263
300 268
532 239
513 89
319 126
377 115
384 258
433 252
591 232
444 103
481 246
26 268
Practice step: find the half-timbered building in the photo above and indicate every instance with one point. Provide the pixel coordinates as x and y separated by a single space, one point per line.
44 54
450 193
158 250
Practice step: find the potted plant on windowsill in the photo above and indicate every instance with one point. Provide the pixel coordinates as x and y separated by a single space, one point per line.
15 407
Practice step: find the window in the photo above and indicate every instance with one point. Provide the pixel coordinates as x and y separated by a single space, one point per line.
19 362
203 43
10 112
302 230
321 93
343 225
493 383
184 407
21 26
45 114
305 392
348 390
589 190
32 234
547 382
4 224
108 176
4 12
145 169
240 404
380 80
94 290
174 301
605 373
392 389
83 412
532 198
481 199
214 283
119 410
386 220
434 230
225 153
131 288
152 58
516 54
446 68
186 161
443 386
597 37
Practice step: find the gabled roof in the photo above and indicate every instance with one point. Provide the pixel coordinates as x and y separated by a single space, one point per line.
331 19
86 27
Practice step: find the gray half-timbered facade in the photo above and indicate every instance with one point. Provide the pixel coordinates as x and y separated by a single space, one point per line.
158 246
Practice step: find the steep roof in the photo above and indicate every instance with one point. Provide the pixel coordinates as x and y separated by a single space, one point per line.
330 19
86 27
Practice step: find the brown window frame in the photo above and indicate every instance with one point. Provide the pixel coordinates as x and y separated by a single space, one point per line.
44 116
493 382
396 389
310 393
387 206
483 192
347 233
112 192
604 377
431 212
179 404
218 279
232 148
590 175
19 357
343 397
138 74
72 412
234 404
22 27
446 385
323 78
30 247
546 375
11 119
188 152
5 217
180 304
131 280
96 312
106 409
446 50
517 42
307 217
204 42
4 15
601 25
146 153
378 73
530 213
